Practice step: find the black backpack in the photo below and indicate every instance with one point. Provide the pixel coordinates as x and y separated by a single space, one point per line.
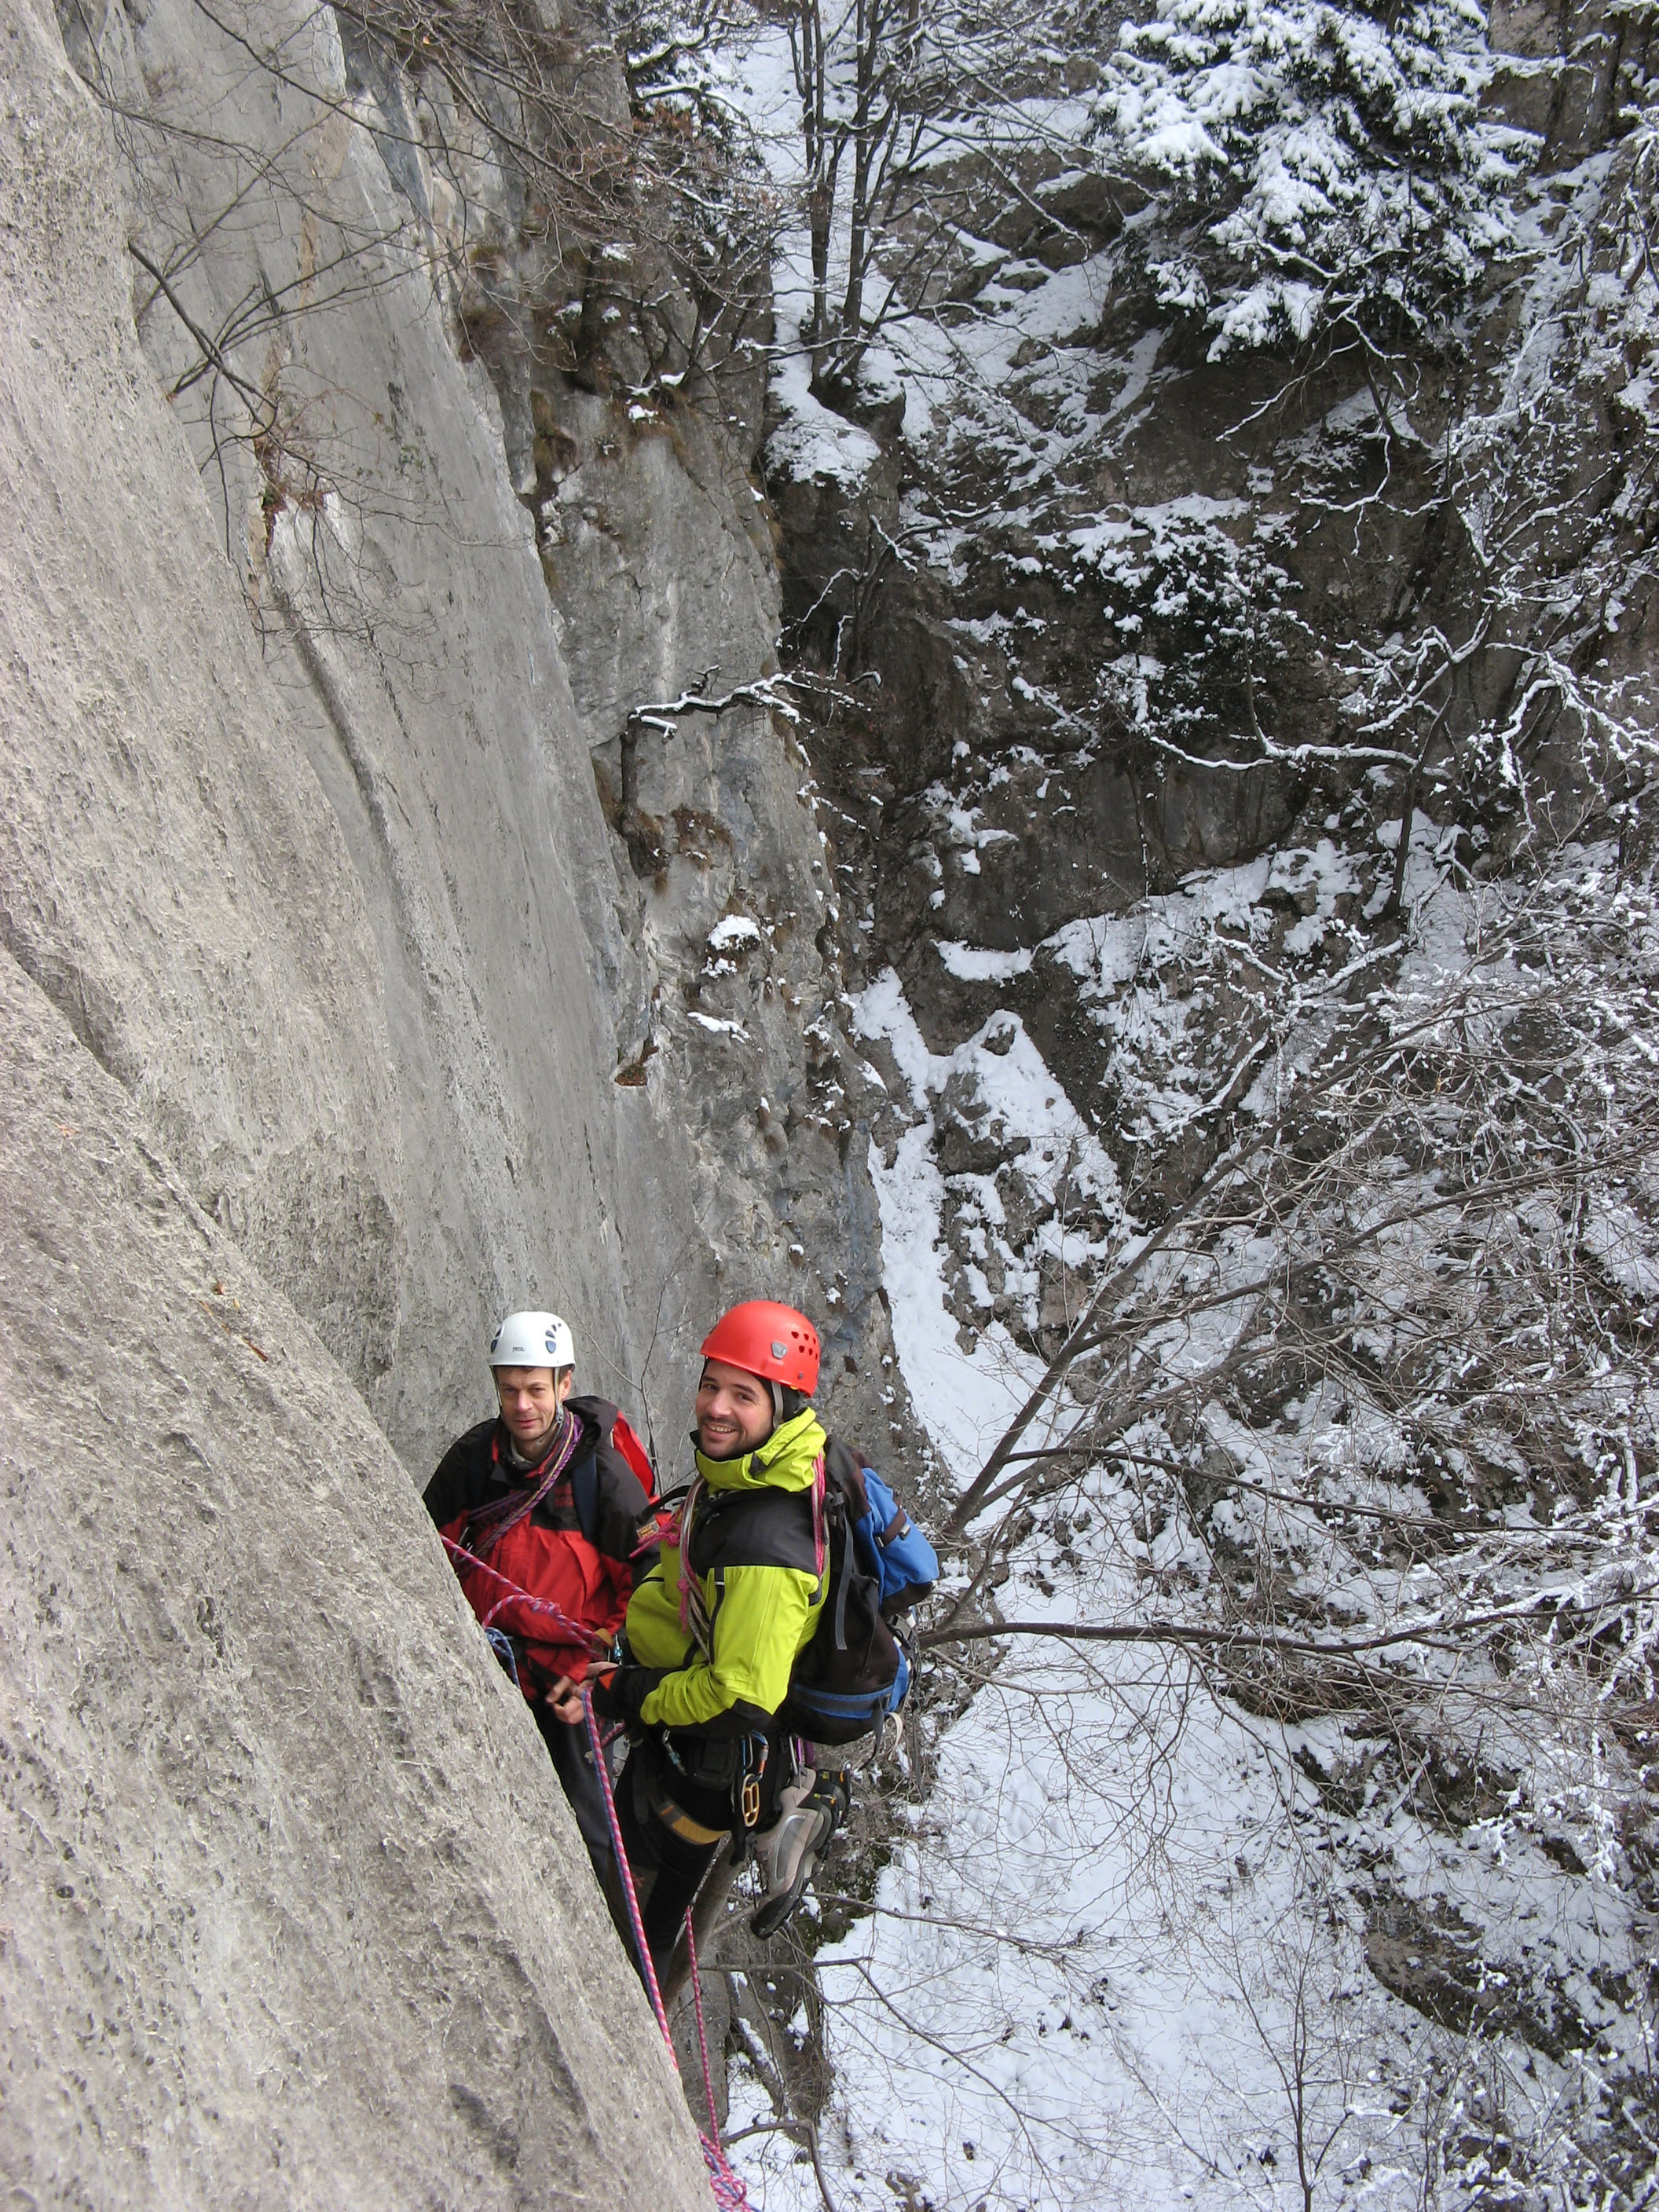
856 1670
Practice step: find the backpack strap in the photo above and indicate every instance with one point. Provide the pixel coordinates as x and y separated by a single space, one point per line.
585 1494
845 1469
897 1526
843 1581
820 1526
844 1501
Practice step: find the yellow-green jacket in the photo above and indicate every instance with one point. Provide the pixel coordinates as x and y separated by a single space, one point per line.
758 1550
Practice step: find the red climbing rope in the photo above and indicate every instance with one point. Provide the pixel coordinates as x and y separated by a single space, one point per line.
728 2185
729 2192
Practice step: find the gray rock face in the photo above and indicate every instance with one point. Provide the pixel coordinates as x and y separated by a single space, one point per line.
170 872
322 964
538 1118
295 1913
423 726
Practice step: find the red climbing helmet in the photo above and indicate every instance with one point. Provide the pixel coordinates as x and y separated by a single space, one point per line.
766 1338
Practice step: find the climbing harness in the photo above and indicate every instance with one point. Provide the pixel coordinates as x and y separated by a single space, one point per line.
726 2183
749 1790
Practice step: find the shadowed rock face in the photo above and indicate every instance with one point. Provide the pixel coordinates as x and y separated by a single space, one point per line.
170 873
295 1911
317 870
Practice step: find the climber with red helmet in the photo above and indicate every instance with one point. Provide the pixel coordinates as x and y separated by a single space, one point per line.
544 1512
714 1627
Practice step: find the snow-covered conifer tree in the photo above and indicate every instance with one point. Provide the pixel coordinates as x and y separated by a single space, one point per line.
1320 168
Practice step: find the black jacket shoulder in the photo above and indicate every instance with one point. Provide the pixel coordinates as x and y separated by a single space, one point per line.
622 1501
770 1528
465 1476
753 1528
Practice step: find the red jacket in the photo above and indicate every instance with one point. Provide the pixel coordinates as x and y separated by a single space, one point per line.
587 1576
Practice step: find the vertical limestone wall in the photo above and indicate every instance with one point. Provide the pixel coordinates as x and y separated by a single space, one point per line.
320 964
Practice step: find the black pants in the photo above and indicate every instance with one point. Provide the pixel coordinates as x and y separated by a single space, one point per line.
668 1868
573 1762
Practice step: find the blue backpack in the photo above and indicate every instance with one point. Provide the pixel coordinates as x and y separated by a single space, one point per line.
856 1670
891 1546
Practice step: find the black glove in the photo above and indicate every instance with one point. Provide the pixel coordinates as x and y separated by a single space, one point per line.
619 1697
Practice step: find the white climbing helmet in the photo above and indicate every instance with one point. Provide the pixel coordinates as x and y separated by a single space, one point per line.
532 1339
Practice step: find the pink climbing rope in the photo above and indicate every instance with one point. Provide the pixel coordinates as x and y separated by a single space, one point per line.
575 1632
625 1871
703 2030
726 2184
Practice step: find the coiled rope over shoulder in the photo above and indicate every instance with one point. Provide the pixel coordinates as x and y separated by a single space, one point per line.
729 2192
563 1629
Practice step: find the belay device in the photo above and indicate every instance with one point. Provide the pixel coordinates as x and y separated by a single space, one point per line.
855 1670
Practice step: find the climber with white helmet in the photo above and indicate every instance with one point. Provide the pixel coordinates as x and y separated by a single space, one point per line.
711 1645
544 1511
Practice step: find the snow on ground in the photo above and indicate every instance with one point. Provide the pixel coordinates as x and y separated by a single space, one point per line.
971 1399
971 964
810 441
936 362
1080 1980
1124 1943
1052 2003
1125 1936
1066 1995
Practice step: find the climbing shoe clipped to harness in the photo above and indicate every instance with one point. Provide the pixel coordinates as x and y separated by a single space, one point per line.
810 1811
